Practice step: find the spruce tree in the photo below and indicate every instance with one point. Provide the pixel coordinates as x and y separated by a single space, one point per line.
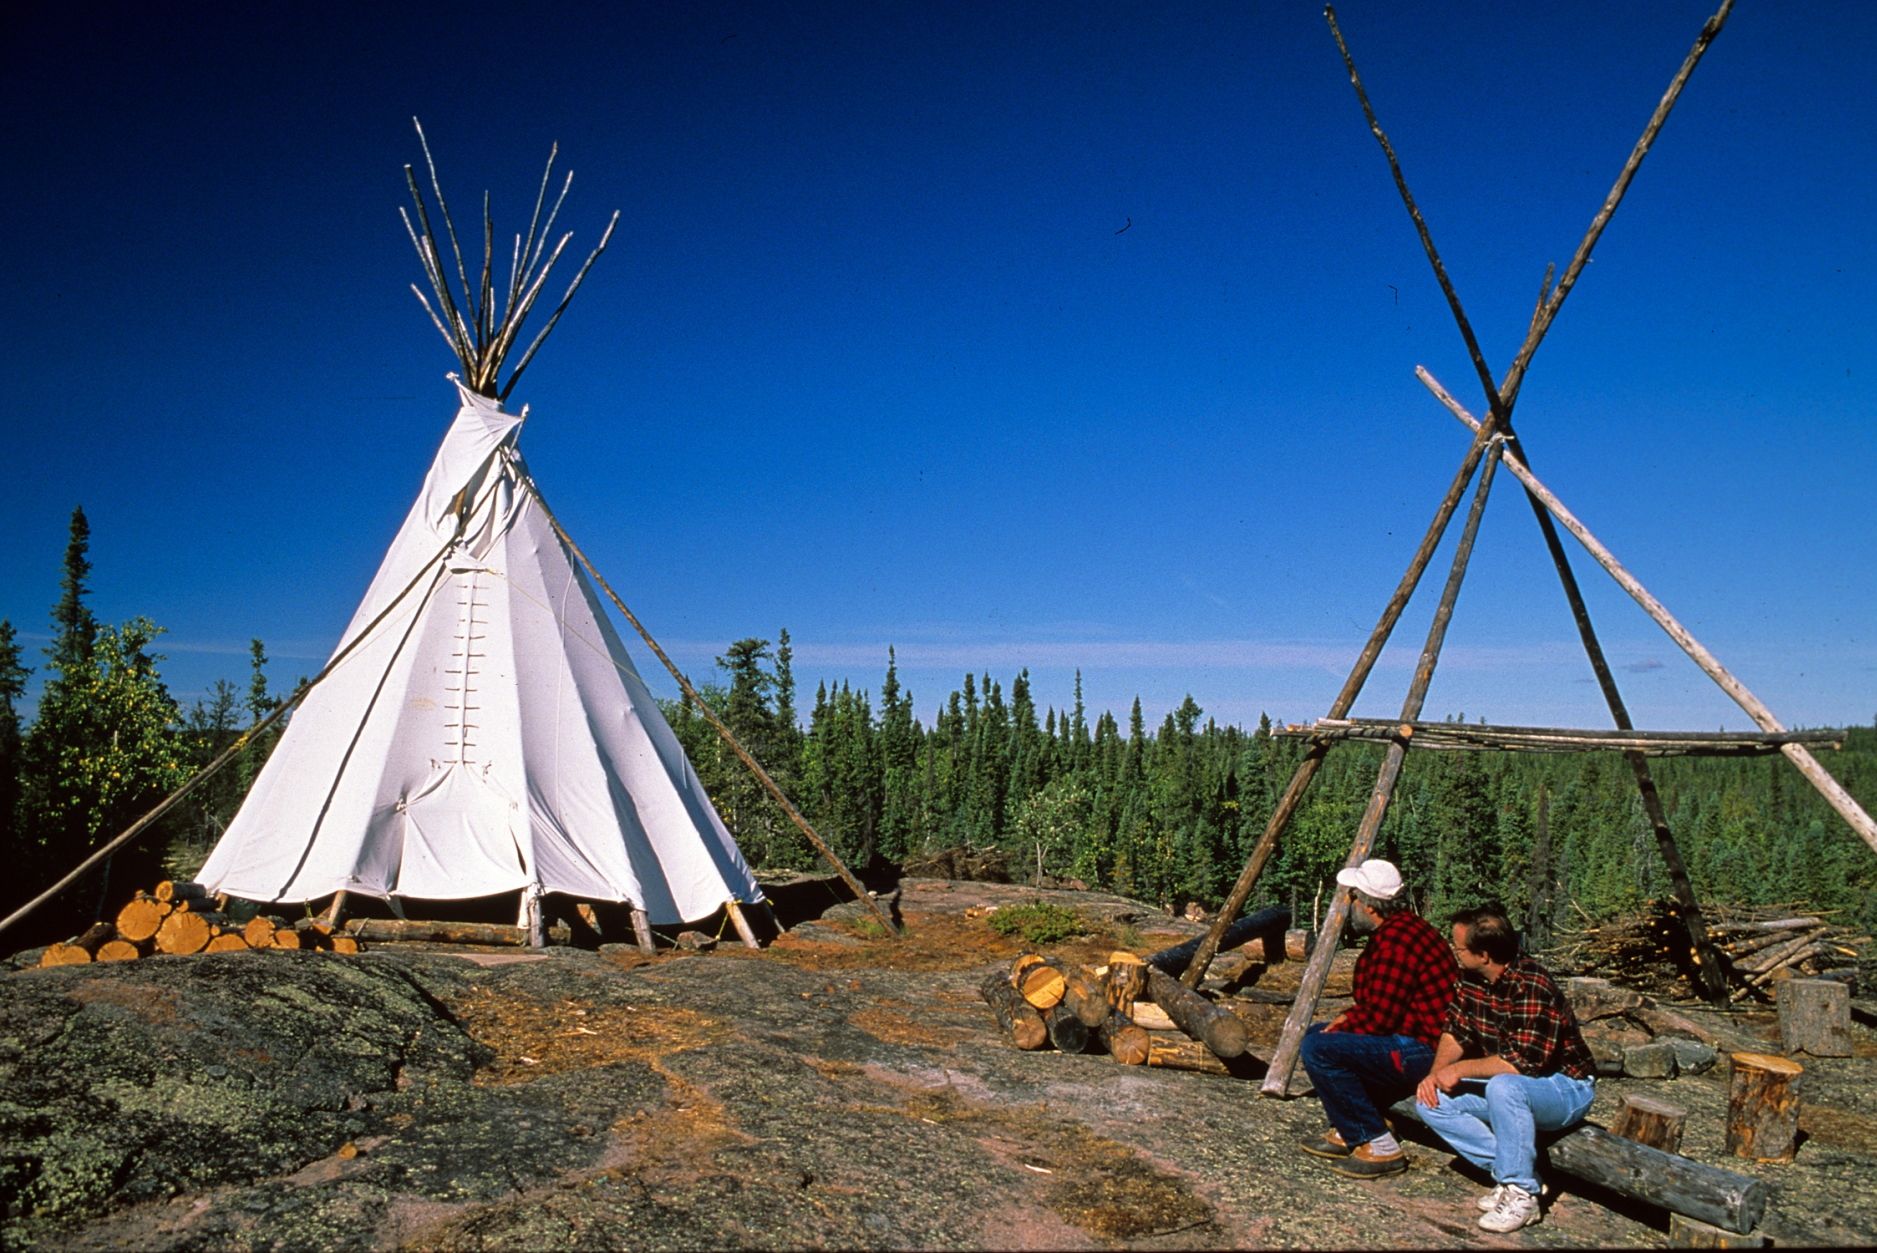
13 676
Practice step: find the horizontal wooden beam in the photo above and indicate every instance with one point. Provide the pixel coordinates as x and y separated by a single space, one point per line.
1479 736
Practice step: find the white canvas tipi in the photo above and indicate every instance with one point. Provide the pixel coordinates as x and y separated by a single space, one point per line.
487 732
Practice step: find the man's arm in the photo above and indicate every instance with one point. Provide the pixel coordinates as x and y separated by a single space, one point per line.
1449 1069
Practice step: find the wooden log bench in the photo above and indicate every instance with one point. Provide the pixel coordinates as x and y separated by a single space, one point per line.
1678 1184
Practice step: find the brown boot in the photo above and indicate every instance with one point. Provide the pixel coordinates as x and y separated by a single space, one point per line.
1364 1164
1329 1144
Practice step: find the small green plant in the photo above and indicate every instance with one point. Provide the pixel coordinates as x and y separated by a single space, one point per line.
1127 937
870 929
1039 923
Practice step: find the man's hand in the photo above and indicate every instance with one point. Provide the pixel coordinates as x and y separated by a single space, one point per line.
1442 1079
1336 1023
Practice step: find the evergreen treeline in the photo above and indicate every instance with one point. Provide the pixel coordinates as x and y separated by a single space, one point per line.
106 744
1171 814
1168 814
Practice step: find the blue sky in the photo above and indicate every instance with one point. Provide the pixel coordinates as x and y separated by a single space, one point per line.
1006 334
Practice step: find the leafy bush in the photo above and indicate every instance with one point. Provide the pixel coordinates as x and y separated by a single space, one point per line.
1039 923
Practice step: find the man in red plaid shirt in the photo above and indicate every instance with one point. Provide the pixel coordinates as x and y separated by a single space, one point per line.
1376 1051
1511 1063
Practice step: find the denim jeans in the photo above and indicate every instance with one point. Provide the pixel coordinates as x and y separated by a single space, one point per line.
1497 1129
1357 1076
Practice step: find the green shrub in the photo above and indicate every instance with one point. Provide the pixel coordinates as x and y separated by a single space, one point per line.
1039 923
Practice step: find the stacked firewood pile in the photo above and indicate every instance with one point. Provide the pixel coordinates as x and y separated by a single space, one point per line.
1135 1009
180 918
1758 945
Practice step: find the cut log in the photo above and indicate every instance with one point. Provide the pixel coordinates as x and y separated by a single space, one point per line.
1815 1017
1271 922
1021 964
180 890
345 944
184 931
1691 1233
1151 1017
1763 1107
1085 995
1674 1183
1042 985
1171 1051
1125 1042
1297 944
1666 1022
1022 1025
64 955
1066 1031
287 938
227 942
259 933
1127 979
119 951
1218 1029
314 933
1776 956
393 929
1646 1120
140 919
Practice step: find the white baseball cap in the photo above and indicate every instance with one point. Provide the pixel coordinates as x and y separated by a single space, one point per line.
1373 877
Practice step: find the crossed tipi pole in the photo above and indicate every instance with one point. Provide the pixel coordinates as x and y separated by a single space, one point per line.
1495 443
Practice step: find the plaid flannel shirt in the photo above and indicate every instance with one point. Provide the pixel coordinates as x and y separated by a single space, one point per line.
1522 1017
1403 981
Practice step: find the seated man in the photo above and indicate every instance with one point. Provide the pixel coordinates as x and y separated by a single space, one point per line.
1511 1063
1375 1052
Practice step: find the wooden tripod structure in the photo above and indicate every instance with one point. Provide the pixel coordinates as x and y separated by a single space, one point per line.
1495 443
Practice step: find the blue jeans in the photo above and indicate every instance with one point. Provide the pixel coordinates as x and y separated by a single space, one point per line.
1358 1076
1497 1129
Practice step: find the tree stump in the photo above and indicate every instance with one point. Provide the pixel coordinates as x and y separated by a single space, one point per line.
1648 1121
1815 1017
1763 1107
1022 1025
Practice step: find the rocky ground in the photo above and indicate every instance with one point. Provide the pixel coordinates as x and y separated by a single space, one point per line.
833 1090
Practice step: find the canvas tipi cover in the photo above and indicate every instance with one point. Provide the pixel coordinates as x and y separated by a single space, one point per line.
488 732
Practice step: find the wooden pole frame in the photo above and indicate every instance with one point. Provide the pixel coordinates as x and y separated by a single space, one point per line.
1501 397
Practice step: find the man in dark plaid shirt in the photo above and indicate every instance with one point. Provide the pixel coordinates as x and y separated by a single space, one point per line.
1376 1051
1511 1062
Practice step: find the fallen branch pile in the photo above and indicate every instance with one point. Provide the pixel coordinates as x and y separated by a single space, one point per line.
1758 945
181 918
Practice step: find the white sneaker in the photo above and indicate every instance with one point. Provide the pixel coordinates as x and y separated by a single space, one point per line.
1515 1208
1490 1201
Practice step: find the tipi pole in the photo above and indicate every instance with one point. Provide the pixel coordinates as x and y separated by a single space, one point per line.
1820 778
642 930
1317 970
741 923
1710 979
724 732
1306 770
233 751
